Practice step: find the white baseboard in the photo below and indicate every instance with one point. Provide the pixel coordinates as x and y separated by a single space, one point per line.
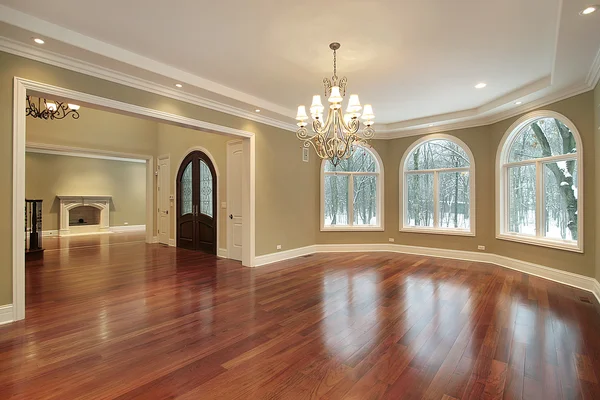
285 255
172 243
568 278
53 232
222 253
154 239
127 228
6 314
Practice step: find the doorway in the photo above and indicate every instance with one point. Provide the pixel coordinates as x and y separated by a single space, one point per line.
234 205
163 198
196 203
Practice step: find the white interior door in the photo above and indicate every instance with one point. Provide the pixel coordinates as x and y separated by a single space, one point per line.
234 200
164 219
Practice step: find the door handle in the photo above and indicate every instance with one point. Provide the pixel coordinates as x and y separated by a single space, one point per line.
230 216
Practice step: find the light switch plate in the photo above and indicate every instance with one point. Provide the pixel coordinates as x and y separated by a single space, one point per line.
223 204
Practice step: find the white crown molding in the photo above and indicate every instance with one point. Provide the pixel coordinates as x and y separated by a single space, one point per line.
594 75
47 57
382 133
73 38
42 148
568 278
6 314
462 119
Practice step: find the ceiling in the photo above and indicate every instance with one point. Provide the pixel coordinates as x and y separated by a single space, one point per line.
417 62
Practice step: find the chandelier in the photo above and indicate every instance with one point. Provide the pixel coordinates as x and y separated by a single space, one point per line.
336 137
51 109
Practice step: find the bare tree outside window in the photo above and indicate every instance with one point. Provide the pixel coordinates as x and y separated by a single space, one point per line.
437 186
351 191
542 158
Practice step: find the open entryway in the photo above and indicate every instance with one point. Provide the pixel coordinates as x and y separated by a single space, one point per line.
140 144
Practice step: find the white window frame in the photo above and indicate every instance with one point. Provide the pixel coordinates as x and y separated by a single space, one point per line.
502 166
404 227
380 198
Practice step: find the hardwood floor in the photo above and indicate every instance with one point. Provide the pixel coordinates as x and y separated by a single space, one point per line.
129 320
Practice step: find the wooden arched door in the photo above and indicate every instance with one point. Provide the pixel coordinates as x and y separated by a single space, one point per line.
196 204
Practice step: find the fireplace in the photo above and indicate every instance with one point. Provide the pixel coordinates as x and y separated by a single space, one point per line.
84 214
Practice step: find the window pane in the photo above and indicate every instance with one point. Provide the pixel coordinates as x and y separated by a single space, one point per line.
560 200
419 208
365 200
454 194
544 137
336 199
186 190
362 160
435 154
521 199
206 190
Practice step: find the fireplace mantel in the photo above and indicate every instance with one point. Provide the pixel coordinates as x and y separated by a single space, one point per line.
70 202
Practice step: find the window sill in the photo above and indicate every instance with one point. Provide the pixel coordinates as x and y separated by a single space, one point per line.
554 244
452 232
352 229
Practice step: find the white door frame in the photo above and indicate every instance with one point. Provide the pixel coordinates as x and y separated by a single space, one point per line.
216 206
20 88
162 157
229 222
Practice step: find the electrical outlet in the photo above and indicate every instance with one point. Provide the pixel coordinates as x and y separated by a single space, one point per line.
480 247
278 247
391 240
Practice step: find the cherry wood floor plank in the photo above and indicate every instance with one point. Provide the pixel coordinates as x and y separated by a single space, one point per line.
111 317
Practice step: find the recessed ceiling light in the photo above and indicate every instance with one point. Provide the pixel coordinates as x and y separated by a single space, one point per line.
518 102
257 110
179 85
480 85
588 10
38 41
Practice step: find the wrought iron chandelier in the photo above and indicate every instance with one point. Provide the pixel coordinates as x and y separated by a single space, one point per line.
51 109
336 137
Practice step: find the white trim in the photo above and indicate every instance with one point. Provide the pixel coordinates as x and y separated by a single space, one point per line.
48 57
6 314
229 225
222 253
170 196
57 150
380 174
461 119
501 184
568 278
50 233
127 228
594 74
285 255
172 242
249 202
20 88
403 192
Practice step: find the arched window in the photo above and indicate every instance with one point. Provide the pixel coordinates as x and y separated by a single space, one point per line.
540 182
352 192
437 187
